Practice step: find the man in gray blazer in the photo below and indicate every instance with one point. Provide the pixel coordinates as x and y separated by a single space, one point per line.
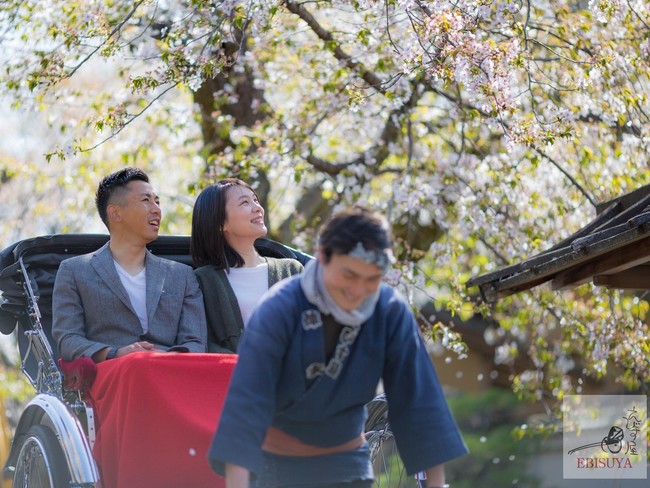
121 298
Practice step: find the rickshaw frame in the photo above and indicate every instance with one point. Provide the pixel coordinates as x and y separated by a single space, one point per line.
58 425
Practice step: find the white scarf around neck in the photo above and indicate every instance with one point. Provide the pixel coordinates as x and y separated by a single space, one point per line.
311 281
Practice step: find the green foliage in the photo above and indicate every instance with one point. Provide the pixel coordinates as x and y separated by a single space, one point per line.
486 131
14 385
497 455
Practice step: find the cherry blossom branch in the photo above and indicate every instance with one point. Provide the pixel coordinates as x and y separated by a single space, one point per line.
379 152
117 29
132 117
573 181
636 14
326 36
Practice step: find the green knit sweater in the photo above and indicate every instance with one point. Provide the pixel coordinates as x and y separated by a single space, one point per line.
225 323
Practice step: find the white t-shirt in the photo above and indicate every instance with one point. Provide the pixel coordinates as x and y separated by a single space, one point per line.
136 287
249 284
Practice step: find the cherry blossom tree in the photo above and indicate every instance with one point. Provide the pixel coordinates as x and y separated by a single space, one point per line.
485 130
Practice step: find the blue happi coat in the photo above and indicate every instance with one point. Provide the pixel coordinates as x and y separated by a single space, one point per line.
282 380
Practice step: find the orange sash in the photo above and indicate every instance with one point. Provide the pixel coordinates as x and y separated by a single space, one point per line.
278 442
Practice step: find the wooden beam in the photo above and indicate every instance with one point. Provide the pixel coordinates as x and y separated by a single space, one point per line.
621 259
631 279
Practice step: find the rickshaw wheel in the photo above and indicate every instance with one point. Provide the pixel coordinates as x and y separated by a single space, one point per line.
387 465
41 463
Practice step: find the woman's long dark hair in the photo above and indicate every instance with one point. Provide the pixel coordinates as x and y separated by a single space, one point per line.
207 243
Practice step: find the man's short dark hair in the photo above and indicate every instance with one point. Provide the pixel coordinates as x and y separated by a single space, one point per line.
353 226
112 188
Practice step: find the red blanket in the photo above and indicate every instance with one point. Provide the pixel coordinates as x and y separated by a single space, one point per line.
156 415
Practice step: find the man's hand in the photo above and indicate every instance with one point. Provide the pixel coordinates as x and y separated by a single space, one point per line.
237 476
140 346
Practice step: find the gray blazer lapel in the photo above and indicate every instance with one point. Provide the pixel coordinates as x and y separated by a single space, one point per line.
156 272
102 262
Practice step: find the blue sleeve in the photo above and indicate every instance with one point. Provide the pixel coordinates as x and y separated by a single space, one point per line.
249 406
424 428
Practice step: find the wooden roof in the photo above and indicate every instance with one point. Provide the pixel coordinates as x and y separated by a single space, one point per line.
613 250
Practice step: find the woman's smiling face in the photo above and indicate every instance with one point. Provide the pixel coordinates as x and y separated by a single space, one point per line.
244 215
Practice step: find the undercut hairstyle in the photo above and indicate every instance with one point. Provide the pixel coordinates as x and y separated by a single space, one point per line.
208 245
112 189
355 225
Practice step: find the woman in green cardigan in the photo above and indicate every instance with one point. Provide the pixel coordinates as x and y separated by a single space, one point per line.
233 275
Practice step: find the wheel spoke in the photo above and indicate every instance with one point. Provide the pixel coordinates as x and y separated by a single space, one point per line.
41 463
387 465
388 468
